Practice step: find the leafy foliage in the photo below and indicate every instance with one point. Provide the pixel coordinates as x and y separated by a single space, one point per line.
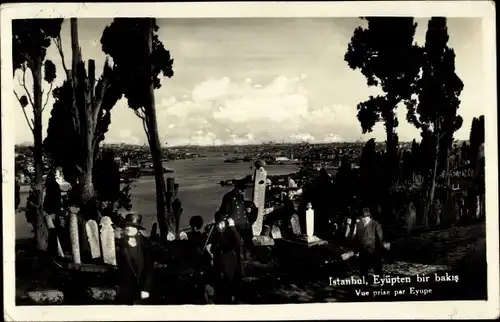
107 177
31 38
131 63
385 55
62 141
438 90
49 71
370 174
476 138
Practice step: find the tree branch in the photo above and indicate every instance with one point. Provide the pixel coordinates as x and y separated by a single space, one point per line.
24 112
25 88
143 117
48 95
58 43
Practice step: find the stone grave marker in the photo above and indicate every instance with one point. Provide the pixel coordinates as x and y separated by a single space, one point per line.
73 235
348 223
170 236
263 241
93 238
295 225
259 196
276 232
108 241
410 217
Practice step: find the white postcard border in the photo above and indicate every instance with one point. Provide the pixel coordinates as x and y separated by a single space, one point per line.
411 310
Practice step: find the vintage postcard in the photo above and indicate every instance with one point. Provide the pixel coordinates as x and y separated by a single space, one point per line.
249 161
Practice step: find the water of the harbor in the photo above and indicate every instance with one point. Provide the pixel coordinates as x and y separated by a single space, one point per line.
200 191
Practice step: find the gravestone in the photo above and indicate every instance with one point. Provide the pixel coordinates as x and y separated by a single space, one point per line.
410 217
478 207
266 231
183 235
348 223
309 220
74 238
295 225
263 241
275 232
93 237
108 241
60 251
259 196
170 236
355 228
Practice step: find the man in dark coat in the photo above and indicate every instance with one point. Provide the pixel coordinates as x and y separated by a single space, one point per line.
227 265
242 212
135 264
369 243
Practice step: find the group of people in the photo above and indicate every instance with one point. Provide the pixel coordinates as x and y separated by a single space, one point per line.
219 257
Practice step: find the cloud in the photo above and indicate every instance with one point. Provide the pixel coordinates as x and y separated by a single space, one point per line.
225 111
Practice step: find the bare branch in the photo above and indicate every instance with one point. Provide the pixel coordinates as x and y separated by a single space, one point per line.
58 43
143 117
25 88
47 98
24 112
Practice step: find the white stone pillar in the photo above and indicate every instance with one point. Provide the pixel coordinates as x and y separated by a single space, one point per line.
259 197
309 220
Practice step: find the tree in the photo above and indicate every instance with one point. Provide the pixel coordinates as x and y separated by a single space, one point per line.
476 138
385 55
139 57
369 174
438 91
80 118
30 40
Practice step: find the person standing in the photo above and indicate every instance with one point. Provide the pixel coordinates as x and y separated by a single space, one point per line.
135 264
369 244
233 205
227 266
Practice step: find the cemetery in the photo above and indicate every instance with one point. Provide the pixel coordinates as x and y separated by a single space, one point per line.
287 248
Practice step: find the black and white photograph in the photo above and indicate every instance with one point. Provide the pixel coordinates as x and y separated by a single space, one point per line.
230 159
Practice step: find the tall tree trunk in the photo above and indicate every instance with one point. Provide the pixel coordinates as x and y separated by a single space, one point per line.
433 182
155 146
447 172
41 232
84 124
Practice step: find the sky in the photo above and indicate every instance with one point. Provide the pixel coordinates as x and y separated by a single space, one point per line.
253 80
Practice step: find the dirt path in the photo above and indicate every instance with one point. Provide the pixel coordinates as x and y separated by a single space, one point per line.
457 251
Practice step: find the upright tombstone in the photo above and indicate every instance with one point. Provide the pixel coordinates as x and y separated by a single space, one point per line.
170 236
410 217
170 194
295 223
73 235
108 241
309 220
276 232
478 207
259 196
92 230
355 230
348 223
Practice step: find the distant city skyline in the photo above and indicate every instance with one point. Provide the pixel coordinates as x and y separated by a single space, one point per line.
244 81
